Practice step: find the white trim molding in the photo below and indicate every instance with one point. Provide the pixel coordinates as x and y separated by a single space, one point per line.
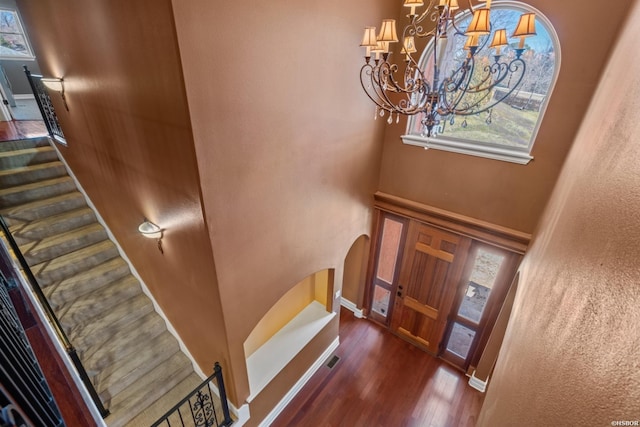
298 385
477 383
506 154
352 307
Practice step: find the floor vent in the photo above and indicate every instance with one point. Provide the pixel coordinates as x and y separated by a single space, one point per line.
333 361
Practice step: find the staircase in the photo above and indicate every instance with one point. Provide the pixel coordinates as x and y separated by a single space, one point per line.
134 363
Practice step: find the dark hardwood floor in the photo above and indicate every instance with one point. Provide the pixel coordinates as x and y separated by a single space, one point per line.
22 129
382 381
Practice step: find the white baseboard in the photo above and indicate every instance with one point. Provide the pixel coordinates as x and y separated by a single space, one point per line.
134 272
352 307
477 383
301 382
241 414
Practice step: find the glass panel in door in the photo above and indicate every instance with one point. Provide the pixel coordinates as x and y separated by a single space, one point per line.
467 321
390 241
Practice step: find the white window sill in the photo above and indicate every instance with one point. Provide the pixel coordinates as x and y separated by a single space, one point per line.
505 154
268 360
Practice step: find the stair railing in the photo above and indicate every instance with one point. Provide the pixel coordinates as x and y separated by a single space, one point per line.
198 408
25 396
45 105
53 320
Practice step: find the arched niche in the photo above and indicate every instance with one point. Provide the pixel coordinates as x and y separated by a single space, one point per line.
293 321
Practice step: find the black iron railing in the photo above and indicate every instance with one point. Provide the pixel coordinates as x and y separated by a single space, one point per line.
53 320
203 407
45 105
25 397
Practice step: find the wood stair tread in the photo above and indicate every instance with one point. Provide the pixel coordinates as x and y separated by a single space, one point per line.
125 371
99 329
168 401
21 144
125 342
50 247
29 211
31 168
54 224
35 185
68 264
87 281
89 306
26 193
148 389
10 159
22 151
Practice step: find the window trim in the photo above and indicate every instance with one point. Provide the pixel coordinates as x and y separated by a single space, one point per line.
518 155
30 55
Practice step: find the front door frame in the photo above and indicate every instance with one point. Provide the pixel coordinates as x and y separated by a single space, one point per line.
514 241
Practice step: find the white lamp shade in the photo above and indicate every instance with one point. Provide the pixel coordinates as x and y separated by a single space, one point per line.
388 31
150 230
409 45
369 38
480 24
53 84
526 26
499 38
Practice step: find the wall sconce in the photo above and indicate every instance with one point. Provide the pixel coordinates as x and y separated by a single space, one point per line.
152 231
56 84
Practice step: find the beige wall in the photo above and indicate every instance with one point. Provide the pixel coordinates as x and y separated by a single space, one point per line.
570 356
130 145
287 149
499 192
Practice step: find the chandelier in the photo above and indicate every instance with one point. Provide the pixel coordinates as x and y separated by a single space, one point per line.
466 88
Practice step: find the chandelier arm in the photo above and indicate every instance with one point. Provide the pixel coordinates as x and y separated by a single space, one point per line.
394 86
465 71
469 108
380 88
428 11
505 95
487 77
377 75
369 70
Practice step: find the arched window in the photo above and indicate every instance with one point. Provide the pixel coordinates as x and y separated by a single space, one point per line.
508 130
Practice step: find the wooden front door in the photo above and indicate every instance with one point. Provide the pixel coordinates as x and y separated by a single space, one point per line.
431 270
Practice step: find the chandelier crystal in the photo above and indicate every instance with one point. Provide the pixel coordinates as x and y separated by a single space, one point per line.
465 90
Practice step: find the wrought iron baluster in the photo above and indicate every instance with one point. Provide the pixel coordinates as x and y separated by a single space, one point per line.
45 105
201 404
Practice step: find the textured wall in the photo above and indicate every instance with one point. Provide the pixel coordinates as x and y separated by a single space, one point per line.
287 148
571 355
499 192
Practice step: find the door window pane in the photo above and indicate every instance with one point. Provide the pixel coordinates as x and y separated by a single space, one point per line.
380 302
389 247
484 273
460 340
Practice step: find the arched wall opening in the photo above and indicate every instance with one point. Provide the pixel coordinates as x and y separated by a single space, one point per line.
354 276
292 322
